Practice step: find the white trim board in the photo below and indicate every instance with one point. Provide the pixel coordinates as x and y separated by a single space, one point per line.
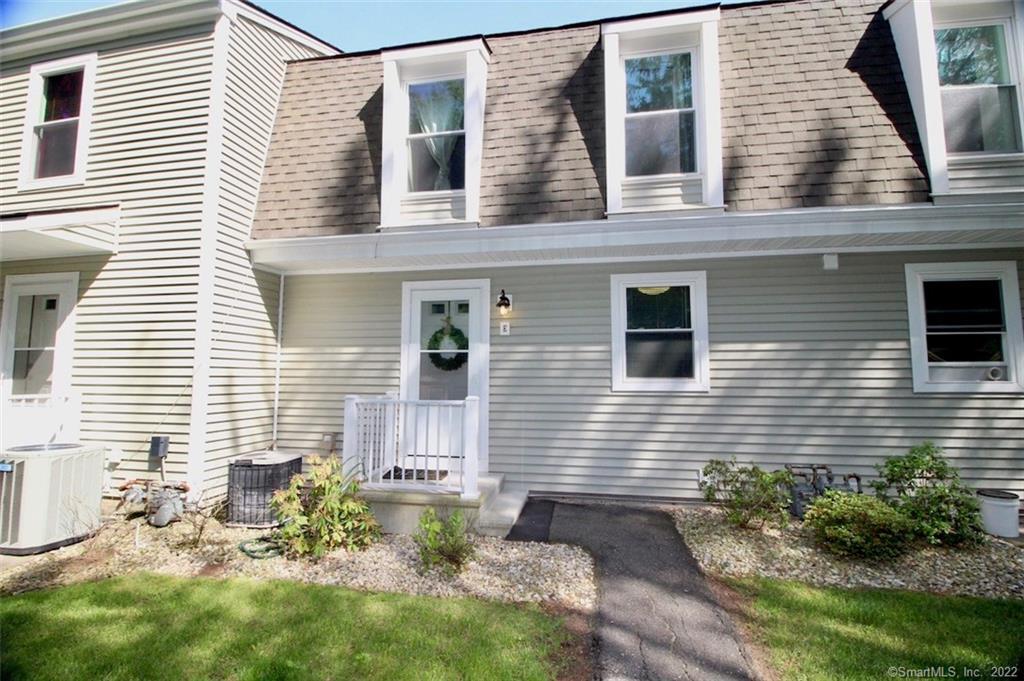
65 285
924 226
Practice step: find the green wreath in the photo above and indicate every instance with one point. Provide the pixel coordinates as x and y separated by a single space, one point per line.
456 360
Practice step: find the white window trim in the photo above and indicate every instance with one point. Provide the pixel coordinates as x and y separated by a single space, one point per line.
697 282
33 113
706 91
430 64
65 285
1010 37
1006 273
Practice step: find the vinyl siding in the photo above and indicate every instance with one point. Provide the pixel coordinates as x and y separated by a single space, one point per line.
244 346
806 366
134 337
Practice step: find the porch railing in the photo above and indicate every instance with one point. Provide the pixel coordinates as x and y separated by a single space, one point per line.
428 445
39 419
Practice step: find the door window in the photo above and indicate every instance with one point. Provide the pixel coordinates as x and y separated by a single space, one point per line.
35 344
444 350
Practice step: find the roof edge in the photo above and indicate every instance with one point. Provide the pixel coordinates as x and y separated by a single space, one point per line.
543 29
137 17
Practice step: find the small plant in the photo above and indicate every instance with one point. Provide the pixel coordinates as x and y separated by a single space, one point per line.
927 490
858 526
749 494
444 543
322 511
197 518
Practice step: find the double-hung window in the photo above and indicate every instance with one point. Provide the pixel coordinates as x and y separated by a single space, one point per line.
437 136
433 134
661 137
979 88
965 323
57 122
663 148
660 332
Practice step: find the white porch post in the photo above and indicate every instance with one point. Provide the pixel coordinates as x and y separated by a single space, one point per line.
350 434
471 448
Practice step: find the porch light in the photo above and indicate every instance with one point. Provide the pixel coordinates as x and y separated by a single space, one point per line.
504 304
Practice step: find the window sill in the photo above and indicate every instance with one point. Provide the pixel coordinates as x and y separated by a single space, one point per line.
429 225
986 157
51 183
654 213
987 387
659 386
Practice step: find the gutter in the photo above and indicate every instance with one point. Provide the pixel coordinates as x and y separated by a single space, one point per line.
641 233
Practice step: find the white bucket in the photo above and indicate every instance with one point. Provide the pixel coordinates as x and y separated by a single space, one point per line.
1000 512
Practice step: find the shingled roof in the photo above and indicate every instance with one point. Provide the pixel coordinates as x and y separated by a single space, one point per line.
814 113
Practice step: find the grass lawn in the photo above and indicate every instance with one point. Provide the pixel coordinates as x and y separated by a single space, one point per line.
825 633
154 627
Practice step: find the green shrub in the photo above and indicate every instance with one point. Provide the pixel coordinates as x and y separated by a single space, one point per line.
322 511
749 494
858 526
444 542
928 491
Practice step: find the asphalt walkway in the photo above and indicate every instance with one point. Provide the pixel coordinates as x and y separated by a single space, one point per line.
657 618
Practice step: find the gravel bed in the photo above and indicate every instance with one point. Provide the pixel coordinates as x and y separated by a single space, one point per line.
501 570
995 569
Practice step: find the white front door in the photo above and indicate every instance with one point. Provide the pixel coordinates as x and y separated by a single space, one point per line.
37 333
446 344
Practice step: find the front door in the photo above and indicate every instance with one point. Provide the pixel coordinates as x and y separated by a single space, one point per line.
446 344
37 331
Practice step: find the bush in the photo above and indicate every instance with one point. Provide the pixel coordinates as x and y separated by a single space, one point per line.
322 511
927 490
444 542
748 493
858 526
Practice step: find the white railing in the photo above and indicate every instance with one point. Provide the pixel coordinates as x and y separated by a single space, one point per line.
429 445
39 419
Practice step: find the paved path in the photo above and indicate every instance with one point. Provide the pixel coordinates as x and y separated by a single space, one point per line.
657 617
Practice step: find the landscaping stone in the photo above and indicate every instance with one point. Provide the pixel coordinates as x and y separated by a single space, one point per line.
501 570
995 569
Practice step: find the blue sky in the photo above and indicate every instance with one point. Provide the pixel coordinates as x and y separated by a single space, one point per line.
360 25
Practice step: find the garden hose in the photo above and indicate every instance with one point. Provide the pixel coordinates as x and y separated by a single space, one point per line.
260 548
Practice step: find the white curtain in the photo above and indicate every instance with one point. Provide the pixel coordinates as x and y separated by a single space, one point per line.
440 114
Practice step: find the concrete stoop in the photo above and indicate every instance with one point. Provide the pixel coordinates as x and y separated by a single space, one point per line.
492 513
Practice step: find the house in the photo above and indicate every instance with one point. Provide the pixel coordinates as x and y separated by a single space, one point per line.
132 141
588 259
575 260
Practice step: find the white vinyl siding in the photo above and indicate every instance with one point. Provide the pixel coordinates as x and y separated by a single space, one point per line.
135 329
808 366
244 346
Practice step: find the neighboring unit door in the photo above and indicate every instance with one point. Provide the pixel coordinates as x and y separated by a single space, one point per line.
446 344
37 333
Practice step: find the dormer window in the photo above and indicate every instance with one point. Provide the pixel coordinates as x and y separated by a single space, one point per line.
433 134
437 136
978 89
661 136
57 120
664 139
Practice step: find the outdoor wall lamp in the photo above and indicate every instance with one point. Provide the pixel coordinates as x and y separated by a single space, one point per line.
504 304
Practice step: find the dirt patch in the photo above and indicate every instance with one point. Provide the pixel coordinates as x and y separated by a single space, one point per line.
739 609
212 570
576 655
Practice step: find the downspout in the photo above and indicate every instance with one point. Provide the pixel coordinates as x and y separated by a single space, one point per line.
277 359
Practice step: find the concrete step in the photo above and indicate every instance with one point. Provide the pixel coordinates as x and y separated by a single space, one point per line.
500 514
